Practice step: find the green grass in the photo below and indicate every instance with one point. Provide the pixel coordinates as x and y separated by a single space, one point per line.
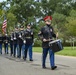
68 51
37 49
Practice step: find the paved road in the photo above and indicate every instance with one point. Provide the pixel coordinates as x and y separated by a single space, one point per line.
14 66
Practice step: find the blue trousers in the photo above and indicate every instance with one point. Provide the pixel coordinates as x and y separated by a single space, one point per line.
21 49
51 57
15 50
6 48
0 48
28 48
11 48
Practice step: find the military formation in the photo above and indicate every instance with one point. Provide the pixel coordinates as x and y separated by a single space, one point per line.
21 41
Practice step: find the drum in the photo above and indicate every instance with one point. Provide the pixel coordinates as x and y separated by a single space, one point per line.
56 45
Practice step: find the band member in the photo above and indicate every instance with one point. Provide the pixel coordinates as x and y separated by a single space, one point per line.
1 41
6 41
46 34
29 41
15 42
21 41
11 43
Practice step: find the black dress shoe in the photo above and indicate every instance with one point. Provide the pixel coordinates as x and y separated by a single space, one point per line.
53 67
1 53
7 53
31 59
10 54
14 56
44 67
24 58
17 56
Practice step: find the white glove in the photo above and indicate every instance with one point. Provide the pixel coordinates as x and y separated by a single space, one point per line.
44 40
32 44
24 41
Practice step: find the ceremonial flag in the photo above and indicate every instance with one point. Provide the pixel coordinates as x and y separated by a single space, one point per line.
4 26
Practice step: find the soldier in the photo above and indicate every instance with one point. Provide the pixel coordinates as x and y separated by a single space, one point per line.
29 41
11 43
15 42
6 41
21 41
46 34
1 41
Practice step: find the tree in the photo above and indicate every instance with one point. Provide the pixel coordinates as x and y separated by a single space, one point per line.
71 23
11 21
63 8
73 4
24 9
1 19
59 21
71 26
60 6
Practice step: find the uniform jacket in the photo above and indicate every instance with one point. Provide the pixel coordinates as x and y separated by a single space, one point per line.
29 36
46 32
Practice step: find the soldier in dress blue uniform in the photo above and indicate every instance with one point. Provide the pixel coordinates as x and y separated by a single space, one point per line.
11 43
46 33
1 41
21 41
15 42
29 36
6 41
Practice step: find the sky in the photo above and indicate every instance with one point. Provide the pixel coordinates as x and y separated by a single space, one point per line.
2 0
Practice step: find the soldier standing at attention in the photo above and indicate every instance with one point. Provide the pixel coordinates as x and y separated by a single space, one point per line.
29 36
11 43
21 41
15 42
1 41
46 34
6 41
